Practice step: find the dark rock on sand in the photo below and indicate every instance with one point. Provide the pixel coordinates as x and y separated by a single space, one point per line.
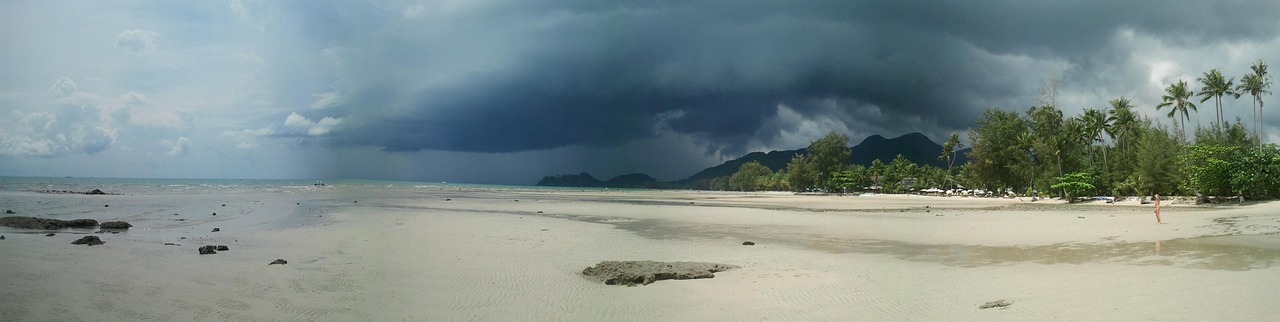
215 214
208 249
216 230
278 261
222 248
95 192
748 243
49 235
105 206
45 223
1 237
170 244
115 225
631 273
88 240
80 223
447 199
995 304
9 212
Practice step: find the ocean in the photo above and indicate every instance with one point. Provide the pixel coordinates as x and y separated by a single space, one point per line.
151 186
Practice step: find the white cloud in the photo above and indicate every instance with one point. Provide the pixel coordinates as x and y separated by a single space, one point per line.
144 111
247 133
155 117
324 100
134 98
137 40
52 134
324 126
75 122
64 86
180 147
414 11
297 120
248 57
247 138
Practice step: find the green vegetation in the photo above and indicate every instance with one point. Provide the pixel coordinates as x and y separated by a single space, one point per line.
1113 151
1076 184
750 177
829 155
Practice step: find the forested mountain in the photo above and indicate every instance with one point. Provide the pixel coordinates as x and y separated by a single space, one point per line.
916 147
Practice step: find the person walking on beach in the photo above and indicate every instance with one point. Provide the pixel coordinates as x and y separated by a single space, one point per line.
1158 208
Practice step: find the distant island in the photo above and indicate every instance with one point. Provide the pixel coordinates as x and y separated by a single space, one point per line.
915 147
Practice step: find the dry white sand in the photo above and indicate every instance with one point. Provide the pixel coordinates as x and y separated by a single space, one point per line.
396 255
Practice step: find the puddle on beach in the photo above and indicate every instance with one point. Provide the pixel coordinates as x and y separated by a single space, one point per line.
1235 253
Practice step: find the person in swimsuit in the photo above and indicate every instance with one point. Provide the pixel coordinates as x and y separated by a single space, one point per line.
1157 208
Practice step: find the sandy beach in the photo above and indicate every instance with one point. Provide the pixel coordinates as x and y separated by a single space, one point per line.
453 254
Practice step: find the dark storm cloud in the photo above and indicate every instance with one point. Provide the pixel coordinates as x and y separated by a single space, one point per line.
530 76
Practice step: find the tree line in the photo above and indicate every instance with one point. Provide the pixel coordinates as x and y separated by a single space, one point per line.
1112 150
825 167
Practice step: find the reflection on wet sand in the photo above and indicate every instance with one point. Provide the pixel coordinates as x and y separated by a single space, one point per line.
1236 253
1219 253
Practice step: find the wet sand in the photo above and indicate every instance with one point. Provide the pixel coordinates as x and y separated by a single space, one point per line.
371 254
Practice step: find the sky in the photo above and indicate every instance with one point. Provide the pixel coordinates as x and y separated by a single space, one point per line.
505 92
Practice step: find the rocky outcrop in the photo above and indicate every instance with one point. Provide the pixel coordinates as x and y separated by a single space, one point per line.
1001 304
278 261
80 223
208 250
631 273
45 223
88 240
115 225
69 192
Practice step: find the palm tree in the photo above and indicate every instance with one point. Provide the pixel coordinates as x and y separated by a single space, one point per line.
1096 122
1178 98
1256 84
1215 86
1124 123
1076 132
949 151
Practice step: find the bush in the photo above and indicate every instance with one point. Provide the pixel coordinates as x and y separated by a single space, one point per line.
1075 184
